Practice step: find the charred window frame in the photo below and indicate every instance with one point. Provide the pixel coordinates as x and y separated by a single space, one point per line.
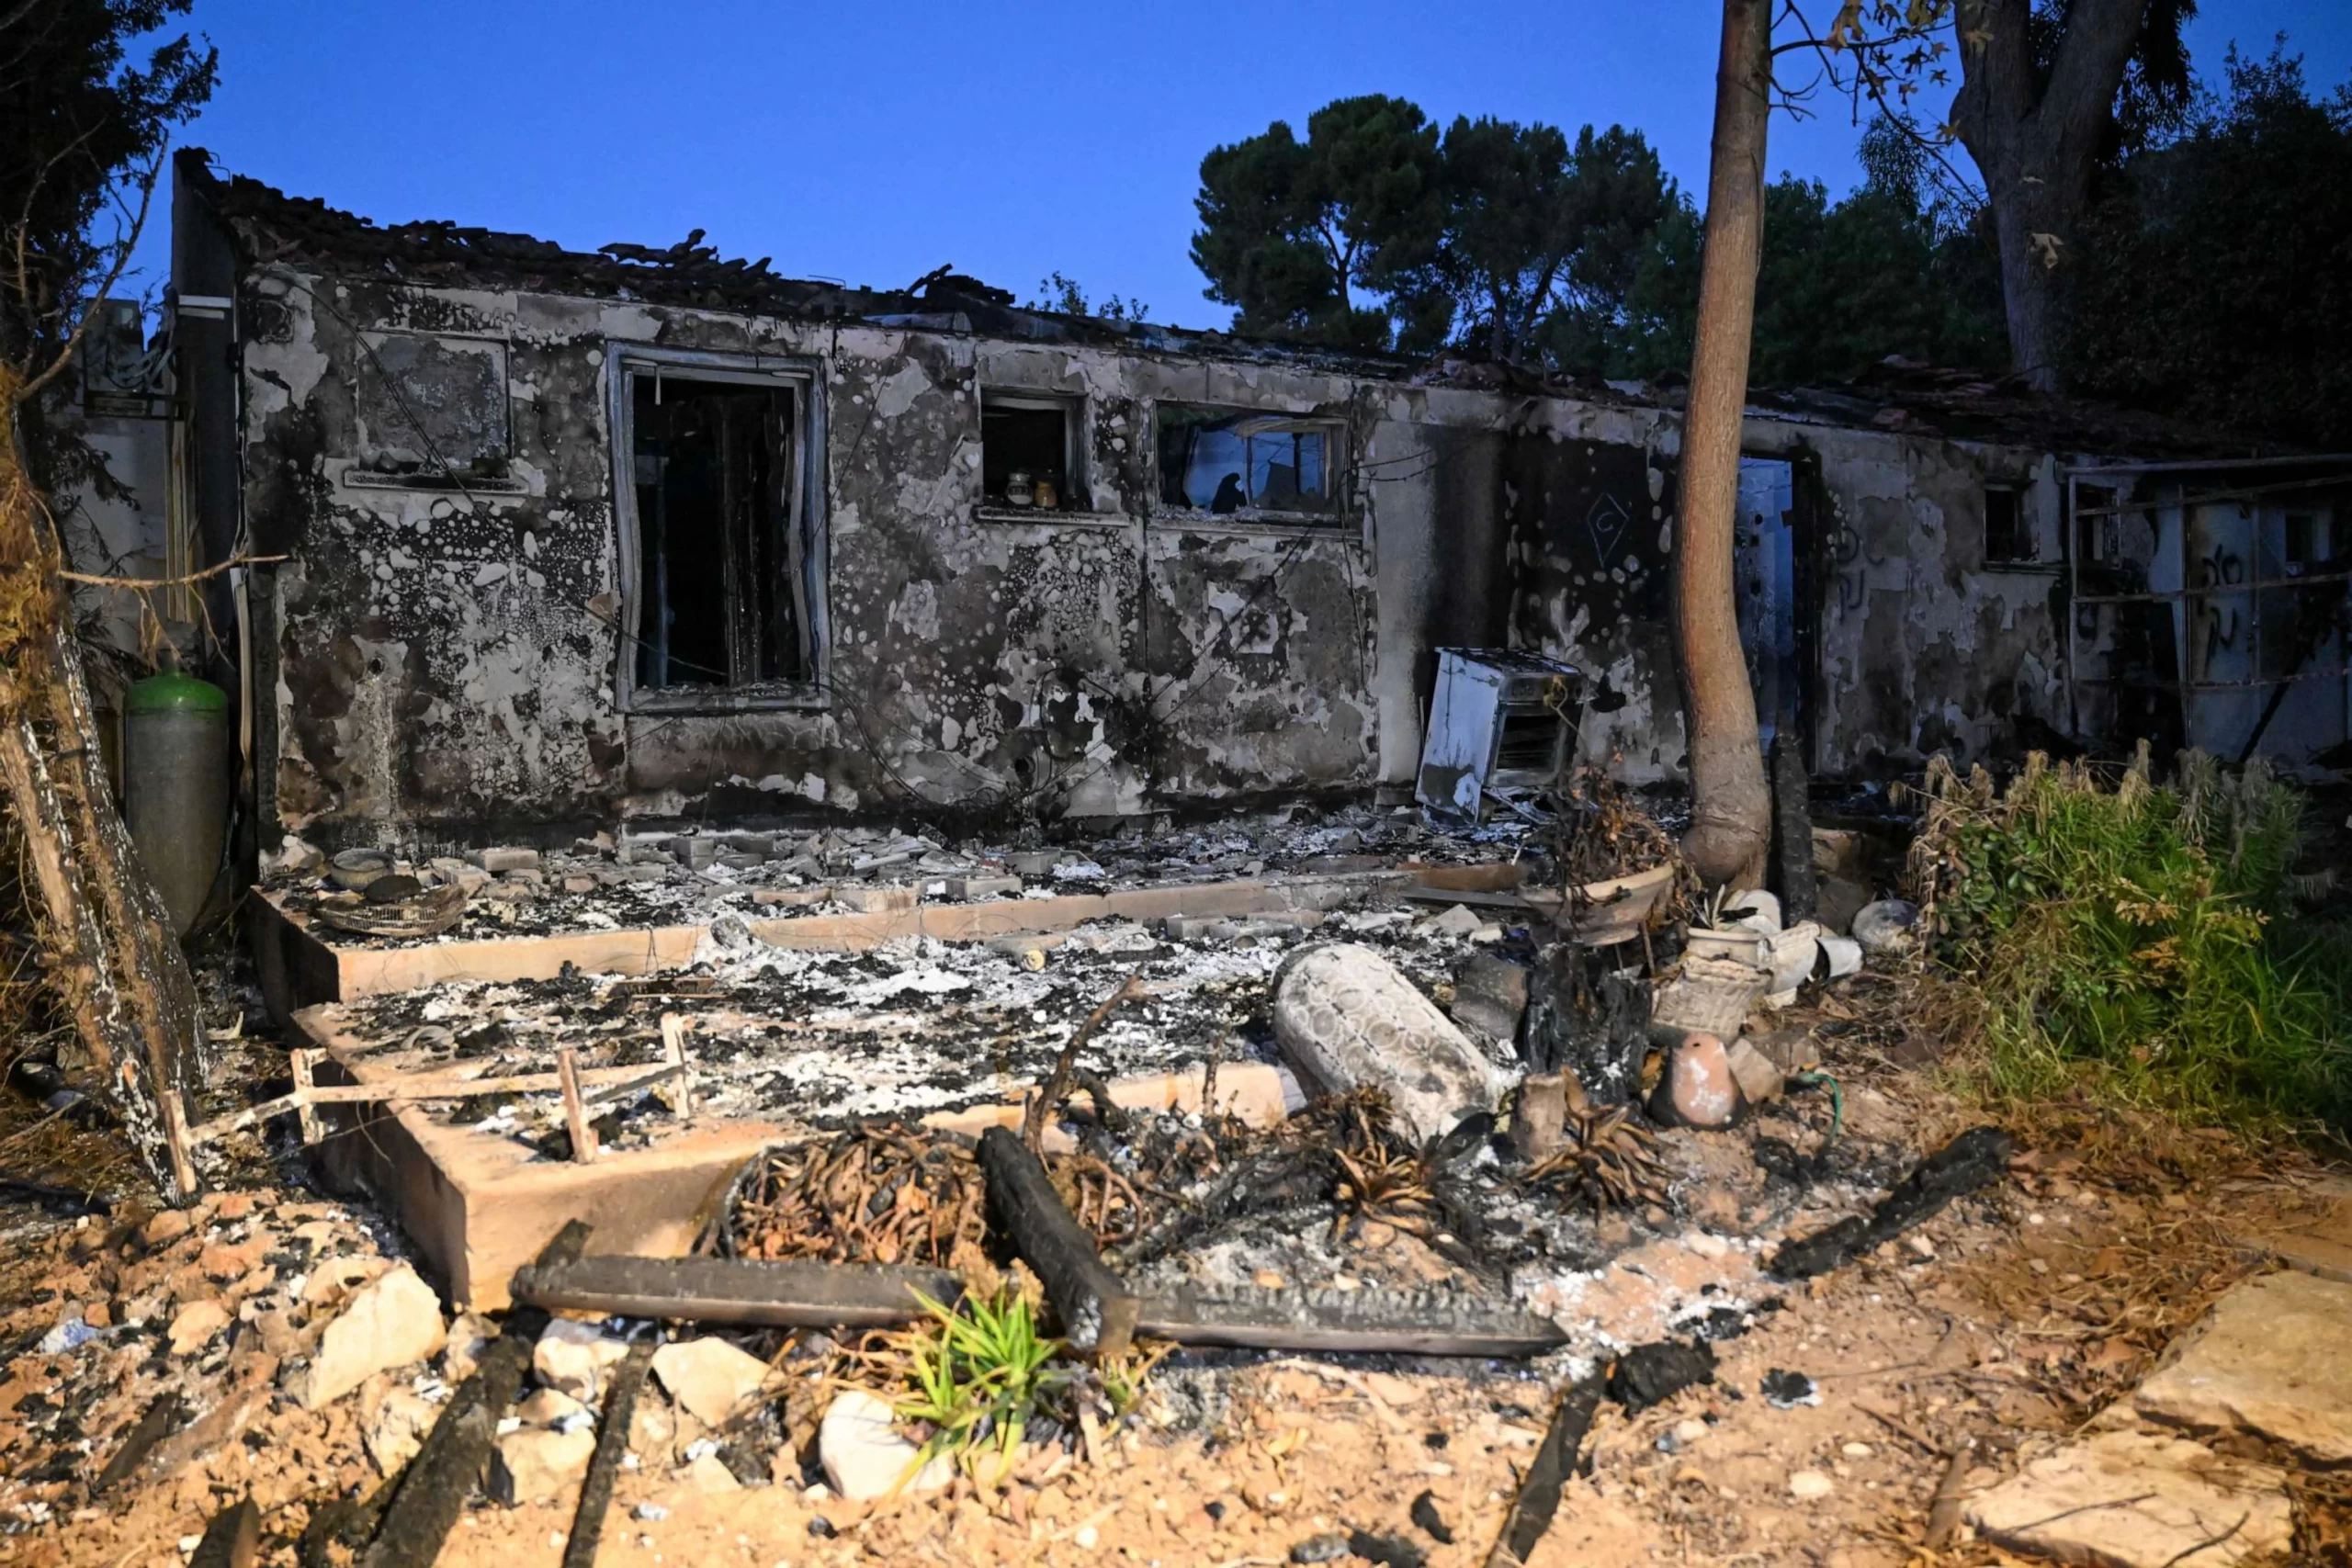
719 492
1033 445
2010 536
1250 466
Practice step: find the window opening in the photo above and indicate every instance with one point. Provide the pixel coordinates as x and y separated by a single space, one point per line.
1225 463
2301 545
1029 453
2094 516
2008 530
722 596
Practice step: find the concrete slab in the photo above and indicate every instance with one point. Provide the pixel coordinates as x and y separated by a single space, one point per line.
479 1205
2274 1358
301 967
2139 1500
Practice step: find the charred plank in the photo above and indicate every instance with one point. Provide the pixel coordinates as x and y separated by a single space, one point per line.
1408 1323
780 1293
605 1464
233 1538
434 1489
1556 1459
1097 1310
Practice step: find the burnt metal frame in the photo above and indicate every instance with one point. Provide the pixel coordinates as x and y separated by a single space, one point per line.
2117 478
800 374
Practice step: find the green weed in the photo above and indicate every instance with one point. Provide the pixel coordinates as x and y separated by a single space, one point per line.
2141 938
979 1374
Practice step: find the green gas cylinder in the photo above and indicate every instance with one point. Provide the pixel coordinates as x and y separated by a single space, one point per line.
175 786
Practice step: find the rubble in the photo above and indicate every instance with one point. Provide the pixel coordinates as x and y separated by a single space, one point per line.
392 1321
1490 996
708 1378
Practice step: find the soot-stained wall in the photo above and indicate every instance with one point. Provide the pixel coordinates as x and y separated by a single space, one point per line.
447 662
445 659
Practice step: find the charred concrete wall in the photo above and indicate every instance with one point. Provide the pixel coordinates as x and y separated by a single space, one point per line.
1926 644
1918 643
446 657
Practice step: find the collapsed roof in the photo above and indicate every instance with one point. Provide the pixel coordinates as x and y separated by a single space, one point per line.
1900 396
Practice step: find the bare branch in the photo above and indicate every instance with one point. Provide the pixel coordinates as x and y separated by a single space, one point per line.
122 249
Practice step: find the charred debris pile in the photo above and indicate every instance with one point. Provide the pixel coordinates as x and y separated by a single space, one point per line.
1521 1096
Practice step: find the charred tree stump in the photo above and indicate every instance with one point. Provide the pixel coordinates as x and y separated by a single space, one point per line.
1792 876
1586 1016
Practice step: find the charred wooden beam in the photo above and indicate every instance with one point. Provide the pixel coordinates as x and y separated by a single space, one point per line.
1097 1310
1403 1323
1556 1459
233 1538
605 1464
434 1489
779 1293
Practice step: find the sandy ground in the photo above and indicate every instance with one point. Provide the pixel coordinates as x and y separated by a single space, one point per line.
1994 1329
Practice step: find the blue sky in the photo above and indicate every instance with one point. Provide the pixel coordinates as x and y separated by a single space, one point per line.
874 143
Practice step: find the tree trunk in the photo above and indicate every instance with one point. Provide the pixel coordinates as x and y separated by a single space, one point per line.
1731 807
112 954
2036 143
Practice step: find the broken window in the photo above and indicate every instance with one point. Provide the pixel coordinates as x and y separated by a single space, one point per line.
722 597
1244 465
1030 454
2009 527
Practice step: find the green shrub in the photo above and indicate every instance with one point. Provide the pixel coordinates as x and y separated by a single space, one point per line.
2141 936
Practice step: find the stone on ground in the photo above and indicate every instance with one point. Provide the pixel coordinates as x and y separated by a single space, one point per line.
1347 1019
865 1455
549 1407
708 1473
573 1358
1457 922
2274 1358
539 1464
2138 1500
195 1325
399 1428
711 1378
471 1333
392 1320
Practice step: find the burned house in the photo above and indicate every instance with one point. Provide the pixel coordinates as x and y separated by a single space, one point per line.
549 536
